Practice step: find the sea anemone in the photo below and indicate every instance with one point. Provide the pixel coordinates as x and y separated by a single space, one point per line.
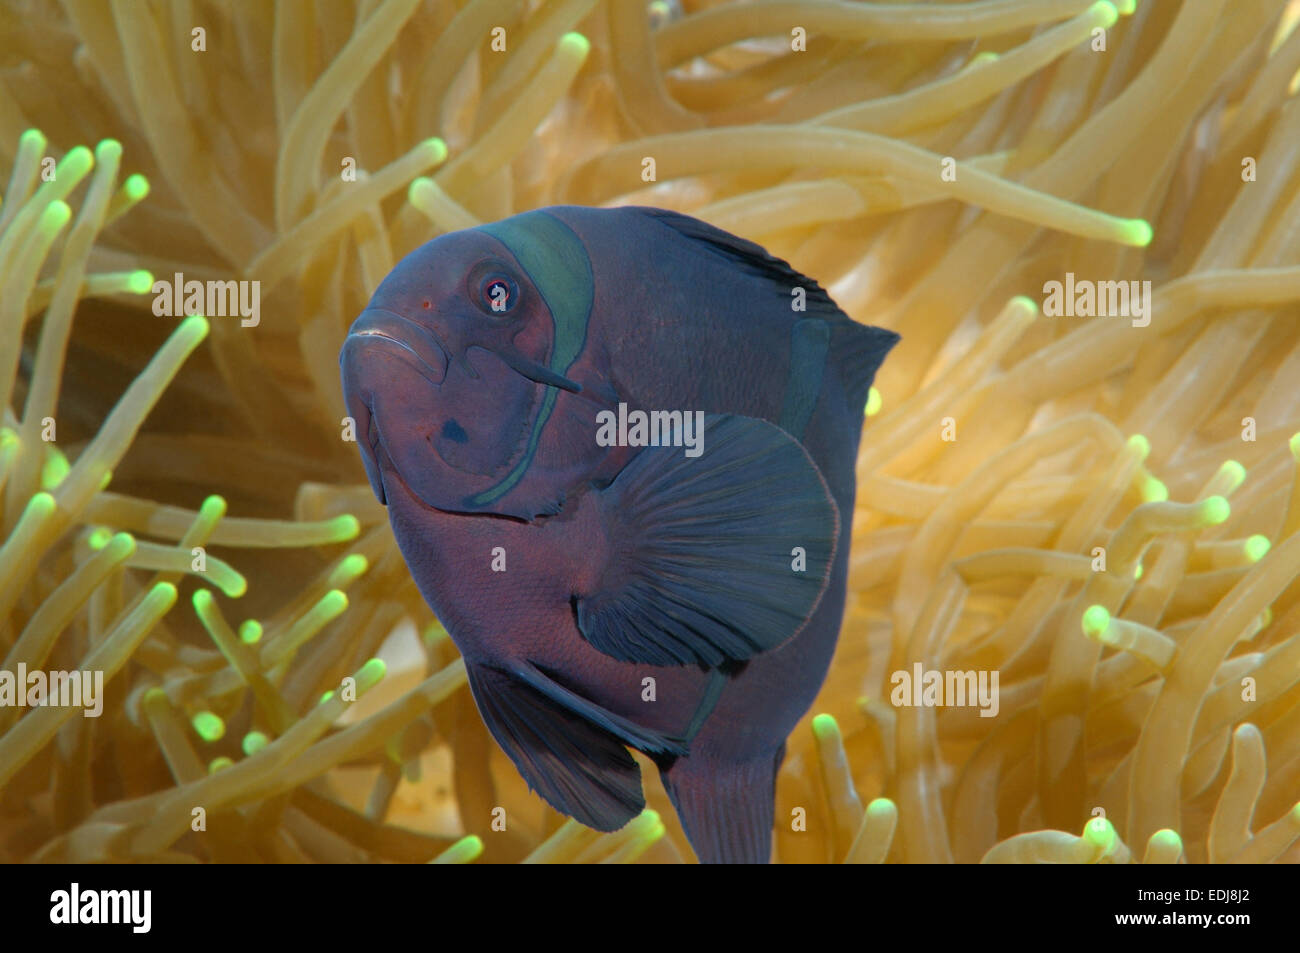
1102 510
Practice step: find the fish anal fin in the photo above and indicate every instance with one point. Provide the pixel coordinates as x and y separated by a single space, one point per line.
726 808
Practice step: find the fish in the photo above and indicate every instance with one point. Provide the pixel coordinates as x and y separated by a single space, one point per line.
606 593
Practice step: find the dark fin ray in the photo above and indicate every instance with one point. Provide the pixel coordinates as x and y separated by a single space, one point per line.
726 809
704 570
575 766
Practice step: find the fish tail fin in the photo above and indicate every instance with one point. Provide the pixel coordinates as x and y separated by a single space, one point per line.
857 351
726 808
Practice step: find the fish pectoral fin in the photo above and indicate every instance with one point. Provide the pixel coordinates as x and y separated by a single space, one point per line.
718 557
537 372
577 767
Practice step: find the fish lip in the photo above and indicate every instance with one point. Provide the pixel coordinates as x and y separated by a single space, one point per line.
431 358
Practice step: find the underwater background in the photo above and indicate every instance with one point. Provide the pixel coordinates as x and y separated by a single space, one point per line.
1104 512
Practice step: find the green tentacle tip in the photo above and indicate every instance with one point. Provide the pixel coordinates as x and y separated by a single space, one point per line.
1167 839
55 468
464 851
1294 444
8 439
108 148
1100 832
1138 232
232 583
219 764
55 216
107 479
1106 10
1026 302
202 600
32 139
164 593
78 157
825 727
577 42
1154 490
1234 472
1140 444
254 742
332 603
213 508
250 631
1126 7
209 726
437 149
1096 620
1256 547
1137 571
99 538
874 402
196 326
140 282
40 506
121 546
418 184
370 674
1215 510
136 187
987 56
434 633
349 570
344 528
881 806
1295 813
327 696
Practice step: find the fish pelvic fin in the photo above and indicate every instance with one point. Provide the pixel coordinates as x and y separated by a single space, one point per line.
577 767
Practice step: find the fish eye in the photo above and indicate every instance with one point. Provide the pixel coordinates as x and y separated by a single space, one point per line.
498 294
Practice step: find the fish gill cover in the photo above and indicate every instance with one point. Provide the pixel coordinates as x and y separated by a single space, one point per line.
1071 629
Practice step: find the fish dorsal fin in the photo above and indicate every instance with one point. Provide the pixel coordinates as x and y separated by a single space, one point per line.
855 350
720 557
751 258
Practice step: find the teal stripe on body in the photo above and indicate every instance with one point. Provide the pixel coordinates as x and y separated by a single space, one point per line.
809 341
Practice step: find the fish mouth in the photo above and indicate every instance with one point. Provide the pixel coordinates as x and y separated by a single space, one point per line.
427 354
